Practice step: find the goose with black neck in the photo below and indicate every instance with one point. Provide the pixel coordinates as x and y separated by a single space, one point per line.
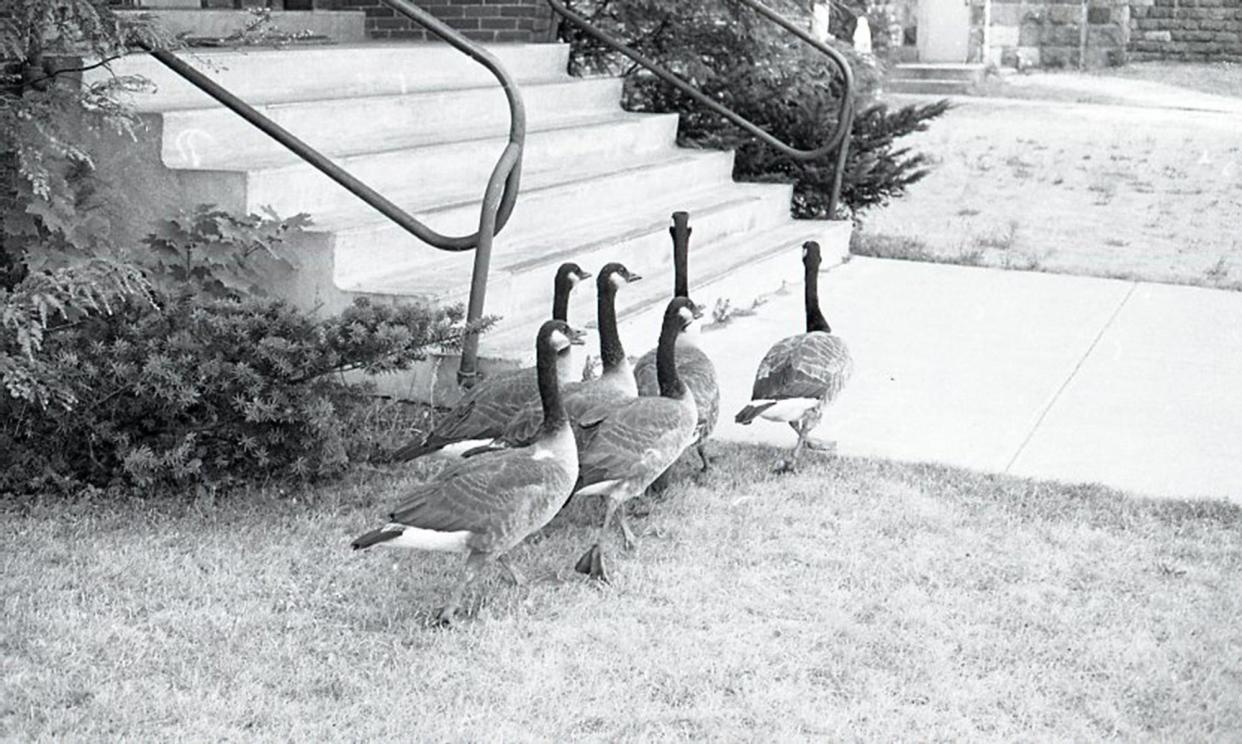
487 408
624 448
802 374
695 367
614 386
486 505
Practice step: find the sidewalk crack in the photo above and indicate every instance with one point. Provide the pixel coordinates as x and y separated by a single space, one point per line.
1073 373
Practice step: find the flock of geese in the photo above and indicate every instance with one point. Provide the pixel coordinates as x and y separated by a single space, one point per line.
549 438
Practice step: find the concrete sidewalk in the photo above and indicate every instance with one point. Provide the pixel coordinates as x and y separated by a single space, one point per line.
1134 385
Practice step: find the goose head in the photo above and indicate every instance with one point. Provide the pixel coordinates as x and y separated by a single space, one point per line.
614 276
557 335
568 275
810 255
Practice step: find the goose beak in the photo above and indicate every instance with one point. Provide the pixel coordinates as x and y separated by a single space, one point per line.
698 311
634 278
584 275
577 337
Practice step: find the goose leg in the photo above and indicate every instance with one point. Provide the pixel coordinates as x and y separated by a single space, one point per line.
702 450
791 465
592 561
447 614
514 575
626 533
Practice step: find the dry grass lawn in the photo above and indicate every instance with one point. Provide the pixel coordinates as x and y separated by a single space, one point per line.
1218 78
1134 193
859 600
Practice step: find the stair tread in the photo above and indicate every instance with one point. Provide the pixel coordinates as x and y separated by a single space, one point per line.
285 160
530 253
360 216
228 65
379 140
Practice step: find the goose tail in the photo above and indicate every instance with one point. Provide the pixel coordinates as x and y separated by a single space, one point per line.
415 450
375 537
751 411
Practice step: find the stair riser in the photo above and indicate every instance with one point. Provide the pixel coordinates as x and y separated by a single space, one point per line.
964 73
264 76
434 175
930 87
199 138
526 297
385 249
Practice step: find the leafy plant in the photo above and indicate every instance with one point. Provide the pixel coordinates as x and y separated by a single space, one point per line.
219 253
207 390
769 77
49 198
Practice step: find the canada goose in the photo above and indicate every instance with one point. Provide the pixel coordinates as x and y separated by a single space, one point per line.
801 374
623 449
695 368
616 383
483 412
487 504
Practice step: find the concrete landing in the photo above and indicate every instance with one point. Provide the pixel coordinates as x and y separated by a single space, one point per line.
1137 386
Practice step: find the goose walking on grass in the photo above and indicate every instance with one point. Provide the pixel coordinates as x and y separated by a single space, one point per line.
486 505
624 448
696 369
485 410
801 374
613 387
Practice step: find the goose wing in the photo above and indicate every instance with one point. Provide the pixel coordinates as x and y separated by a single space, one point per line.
487 408
808 365
637 439
697 373
494 492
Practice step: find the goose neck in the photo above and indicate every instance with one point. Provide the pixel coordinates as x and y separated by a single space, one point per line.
549 390
611 352
669 380
815 320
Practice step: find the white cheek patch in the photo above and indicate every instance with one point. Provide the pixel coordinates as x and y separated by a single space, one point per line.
559 340
616 280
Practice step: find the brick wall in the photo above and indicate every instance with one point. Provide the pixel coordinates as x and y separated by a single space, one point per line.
1048 33
482 20
1186 29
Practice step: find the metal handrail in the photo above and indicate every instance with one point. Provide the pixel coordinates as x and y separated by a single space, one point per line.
498 198
845 114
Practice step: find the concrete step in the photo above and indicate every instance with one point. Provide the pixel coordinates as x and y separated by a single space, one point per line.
261 76
367 254
519 287
420 177
339 26
218 139
930 87
939 71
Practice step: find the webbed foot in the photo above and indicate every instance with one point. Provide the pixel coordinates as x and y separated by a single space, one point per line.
592 564
828 446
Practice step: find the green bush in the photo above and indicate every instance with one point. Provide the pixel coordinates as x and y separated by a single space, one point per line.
769 77
170 390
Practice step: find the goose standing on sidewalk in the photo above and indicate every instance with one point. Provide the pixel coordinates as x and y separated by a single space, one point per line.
624 449
802 374
485 410
486 505
695 368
